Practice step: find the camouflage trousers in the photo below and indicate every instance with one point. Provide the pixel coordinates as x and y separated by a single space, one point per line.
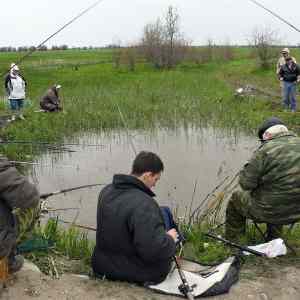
239 209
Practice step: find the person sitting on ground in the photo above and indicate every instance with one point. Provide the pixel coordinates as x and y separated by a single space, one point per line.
132 241
270 183
289 74
17 196
50 101
15 85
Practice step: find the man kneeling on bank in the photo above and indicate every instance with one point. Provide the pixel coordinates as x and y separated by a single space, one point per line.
132 243
270 183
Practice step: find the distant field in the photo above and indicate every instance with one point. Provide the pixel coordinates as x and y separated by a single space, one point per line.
92 90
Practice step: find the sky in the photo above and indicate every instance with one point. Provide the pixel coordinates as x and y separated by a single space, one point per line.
28 22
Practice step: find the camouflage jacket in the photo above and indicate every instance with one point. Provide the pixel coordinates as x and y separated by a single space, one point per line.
273 178
16 192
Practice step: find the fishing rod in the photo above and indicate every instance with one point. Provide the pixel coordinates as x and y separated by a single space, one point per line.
234 245
275 15
77 225
46 195
184 288
54 34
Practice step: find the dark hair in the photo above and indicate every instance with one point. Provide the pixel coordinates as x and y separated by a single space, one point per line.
147 162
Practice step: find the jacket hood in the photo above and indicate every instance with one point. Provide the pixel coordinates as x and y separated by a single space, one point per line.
123 181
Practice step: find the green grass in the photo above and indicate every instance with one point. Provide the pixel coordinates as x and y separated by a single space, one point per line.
199 95
195 95
69 250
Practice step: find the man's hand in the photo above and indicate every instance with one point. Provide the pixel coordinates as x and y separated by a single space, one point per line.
173 234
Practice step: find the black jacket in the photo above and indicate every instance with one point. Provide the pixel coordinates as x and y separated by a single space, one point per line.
131 241
288 74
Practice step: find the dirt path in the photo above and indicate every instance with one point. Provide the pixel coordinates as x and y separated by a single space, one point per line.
281 283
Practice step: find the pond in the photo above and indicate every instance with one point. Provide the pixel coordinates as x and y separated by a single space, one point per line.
193 158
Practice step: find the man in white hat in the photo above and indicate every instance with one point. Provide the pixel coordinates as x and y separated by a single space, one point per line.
285 52
15 85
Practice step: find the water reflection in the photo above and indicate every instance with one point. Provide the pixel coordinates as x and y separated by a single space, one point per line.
189 155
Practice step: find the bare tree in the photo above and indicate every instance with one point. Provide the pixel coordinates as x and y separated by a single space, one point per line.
264 40
172 33
162 42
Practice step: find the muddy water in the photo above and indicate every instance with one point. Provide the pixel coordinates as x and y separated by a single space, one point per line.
190 155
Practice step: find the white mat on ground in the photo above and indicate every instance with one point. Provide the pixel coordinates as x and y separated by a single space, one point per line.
272 249
200 282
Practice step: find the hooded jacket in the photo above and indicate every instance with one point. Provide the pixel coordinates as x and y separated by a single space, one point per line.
131 240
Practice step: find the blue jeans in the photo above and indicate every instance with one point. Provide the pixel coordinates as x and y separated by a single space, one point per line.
289 95
16 104
169 222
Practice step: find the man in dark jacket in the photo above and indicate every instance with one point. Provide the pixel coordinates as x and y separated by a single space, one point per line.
289 74
270 183
16 195
132 243
50 101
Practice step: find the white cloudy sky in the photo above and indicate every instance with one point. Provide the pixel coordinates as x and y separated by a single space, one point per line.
28 22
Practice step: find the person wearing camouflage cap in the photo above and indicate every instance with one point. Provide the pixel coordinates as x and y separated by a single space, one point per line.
270 183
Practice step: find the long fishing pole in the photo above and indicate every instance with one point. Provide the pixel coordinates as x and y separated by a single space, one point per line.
46 195
275 15
55 33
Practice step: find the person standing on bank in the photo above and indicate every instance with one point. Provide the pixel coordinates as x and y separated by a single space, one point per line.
285 52
15 86
289 74
132 241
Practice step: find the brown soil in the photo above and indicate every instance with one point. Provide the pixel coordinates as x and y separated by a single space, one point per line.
280 283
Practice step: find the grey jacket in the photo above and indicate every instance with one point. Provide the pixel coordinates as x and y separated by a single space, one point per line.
15 192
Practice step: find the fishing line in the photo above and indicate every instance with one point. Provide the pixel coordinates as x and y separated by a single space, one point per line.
55 33
275 15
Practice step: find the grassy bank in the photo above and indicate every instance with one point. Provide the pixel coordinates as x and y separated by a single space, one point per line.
93 91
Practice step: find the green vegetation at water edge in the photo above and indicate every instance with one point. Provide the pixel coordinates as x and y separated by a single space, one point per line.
93 91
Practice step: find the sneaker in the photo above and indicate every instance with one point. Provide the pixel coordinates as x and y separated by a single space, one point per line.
13 118
22 117
15 263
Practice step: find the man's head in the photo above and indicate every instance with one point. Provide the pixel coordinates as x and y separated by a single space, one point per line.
147 166
14 69
285 52
270 127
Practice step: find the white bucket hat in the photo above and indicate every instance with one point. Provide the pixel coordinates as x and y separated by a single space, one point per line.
285 50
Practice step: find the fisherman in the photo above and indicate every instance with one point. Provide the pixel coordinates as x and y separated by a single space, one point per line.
15 86
270 183
285 52
132 242
50 101
17 196
289 75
